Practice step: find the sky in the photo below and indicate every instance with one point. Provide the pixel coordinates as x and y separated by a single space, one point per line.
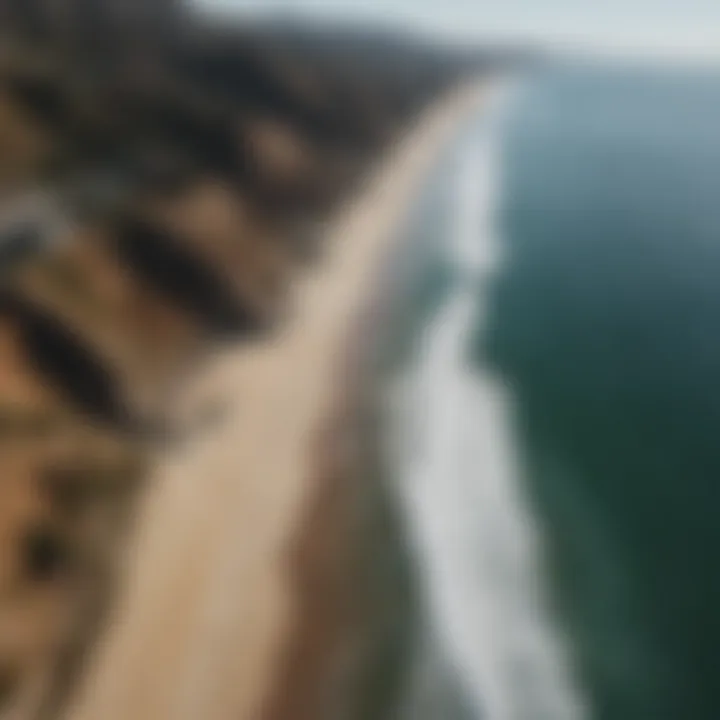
667 27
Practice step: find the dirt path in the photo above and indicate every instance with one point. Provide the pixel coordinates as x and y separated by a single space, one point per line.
201 627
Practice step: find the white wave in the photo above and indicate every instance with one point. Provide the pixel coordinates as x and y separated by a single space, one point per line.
458 482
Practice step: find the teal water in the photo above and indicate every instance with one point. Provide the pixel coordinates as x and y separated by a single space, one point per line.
559 465
604 324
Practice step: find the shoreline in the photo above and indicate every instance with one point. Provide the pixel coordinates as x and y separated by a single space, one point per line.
211 606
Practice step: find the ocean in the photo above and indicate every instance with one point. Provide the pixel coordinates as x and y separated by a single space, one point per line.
552 402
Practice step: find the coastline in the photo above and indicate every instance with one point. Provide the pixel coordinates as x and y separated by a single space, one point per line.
217 618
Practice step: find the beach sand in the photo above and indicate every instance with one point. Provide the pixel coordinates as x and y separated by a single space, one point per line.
209 624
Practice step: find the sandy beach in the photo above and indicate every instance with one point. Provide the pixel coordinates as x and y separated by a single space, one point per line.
202 624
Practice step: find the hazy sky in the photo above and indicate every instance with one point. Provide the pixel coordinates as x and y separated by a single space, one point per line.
688 27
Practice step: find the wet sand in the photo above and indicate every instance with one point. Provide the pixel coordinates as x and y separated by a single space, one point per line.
209 613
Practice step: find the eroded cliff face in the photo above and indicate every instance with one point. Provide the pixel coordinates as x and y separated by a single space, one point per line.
176 195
